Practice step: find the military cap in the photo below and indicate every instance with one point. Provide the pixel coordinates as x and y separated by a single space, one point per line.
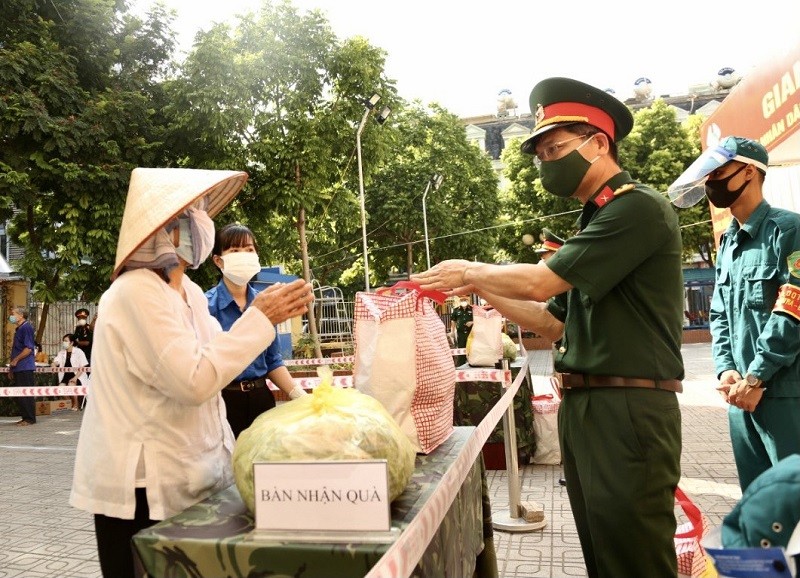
82 312
550 242
560 101
689 188
769 509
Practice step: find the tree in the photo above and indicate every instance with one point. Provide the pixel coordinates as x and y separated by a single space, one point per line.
460 214
79 108
280 97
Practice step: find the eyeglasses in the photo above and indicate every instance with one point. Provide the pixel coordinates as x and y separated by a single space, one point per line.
551 151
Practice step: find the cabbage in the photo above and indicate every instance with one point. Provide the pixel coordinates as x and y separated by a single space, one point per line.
330 424
510 349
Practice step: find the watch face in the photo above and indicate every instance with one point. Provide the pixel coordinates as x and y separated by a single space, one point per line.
751 380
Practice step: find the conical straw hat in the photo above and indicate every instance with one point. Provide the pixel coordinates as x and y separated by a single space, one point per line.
157 195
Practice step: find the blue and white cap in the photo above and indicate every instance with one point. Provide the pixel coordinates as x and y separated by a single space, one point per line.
689 188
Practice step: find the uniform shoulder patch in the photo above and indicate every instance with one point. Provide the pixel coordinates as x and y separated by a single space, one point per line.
624 189
794 264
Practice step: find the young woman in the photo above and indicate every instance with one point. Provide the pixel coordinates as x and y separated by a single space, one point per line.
247 396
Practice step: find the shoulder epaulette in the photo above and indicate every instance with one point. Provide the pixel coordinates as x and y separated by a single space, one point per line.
624 189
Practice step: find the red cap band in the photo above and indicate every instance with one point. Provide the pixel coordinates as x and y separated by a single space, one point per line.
577 112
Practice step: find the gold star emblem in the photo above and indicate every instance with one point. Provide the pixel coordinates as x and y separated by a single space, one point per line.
539 113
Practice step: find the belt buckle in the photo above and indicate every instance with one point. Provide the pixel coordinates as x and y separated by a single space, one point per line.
247 385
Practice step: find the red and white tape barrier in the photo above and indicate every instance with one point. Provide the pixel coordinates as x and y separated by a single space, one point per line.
49 391
50 369
403 555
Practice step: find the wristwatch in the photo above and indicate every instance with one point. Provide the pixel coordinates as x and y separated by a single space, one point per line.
751 380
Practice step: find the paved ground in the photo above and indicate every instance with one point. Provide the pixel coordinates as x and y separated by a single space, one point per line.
41 536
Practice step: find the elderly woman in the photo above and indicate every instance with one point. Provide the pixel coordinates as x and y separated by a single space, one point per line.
154 438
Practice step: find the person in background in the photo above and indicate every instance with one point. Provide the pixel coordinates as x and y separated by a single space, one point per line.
23 363
461 325
71 356
755 311
154 439
550 244
247 396
83 332
620 355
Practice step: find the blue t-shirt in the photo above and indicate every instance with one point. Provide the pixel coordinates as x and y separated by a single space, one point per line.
222 306
23 337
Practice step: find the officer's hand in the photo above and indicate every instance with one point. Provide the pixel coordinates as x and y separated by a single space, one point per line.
447 276
727 379
468 324
745 397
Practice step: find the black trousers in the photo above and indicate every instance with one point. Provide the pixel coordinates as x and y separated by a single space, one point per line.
26 405
242 407
114 546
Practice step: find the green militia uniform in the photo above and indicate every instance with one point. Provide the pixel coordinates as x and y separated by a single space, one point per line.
620 359
755 331
461 316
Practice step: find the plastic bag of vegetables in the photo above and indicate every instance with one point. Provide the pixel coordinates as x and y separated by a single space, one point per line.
331 424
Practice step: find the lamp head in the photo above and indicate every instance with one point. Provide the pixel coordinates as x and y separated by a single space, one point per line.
372 101
381 118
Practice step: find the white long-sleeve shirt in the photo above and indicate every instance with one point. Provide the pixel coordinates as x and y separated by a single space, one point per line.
77 358
158 365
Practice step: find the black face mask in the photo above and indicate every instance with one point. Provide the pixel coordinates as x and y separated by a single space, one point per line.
718 193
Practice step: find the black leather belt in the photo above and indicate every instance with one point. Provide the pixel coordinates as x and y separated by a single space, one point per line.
579 380
247 384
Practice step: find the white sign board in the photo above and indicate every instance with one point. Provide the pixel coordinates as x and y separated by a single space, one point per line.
322 496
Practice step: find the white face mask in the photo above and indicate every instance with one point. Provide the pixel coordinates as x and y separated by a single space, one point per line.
65 345
240 267
81 321
196 237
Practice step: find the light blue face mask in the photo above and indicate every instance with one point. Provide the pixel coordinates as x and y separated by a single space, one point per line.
12 319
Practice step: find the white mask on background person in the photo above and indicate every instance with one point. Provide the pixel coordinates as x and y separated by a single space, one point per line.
240 267
196 237
65 344
81 321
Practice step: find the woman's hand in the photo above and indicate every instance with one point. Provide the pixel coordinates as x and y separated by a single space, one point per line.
283 301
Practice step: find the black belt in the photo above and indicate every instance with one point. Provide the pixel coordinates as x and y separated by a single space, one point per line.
247 384
579 380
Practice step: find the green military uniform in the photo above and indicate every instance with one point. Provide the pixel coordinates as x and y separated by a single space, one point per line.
619 418
461 316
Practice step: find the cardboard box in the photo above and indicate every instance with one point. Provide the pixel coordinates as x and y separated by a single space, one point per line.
48 407
60 404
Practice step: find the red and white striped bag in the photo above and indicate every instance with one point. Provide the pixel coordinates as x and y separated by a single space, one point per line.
403 359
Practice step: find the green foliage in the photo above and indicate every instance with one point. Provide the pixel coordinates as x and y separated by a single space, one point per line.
78 110
460 213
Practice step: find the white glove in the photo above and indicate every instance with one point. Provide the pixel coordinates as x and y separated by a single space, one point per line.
296 392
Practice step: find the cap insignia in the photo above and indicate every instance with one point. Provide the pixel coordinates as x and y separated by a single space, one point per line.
539 113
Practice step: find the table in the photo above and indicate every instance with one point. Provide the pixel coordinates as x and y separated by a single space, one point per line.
474 399
208 539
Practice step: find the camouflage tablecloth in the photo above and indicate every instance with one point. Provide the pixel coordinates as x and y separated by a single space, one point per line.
208 540
474 399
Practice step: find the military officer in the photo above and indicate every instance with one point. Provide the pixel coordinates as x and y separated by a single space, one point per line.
461 324
550 244
621 330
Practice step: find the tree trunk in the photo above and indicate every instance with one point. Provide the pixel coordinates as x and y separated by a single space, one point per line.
42 321
409 259
312 318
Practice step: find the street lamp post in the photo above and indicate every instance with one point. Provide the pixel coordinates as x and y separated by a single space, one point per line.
436 181
381 118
